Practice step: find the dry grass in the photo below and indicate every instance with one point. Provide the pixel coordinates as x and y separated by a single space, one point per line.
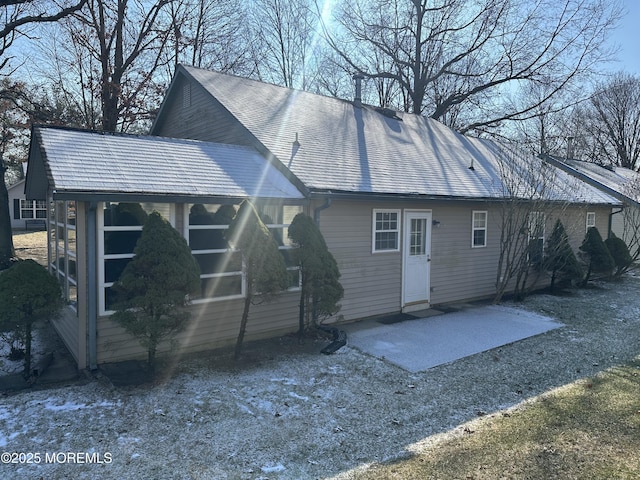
31 245
587 429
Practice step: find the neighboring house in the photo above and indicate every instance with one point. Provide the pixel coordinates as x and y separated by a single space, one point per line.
25 214
410 209
622 183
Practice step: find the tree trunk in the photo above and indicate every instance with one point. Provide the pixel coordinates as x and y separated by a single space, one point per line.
301 312
27 350
243 326
6 240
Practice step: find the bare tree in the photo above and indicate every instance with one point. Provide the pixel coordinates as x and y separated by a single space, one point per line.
125 41
285 53
17 16
210 34
614 121
533 197
461 61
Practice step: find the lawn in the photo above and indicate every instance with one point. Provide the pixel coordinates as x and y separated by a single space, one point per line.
588 429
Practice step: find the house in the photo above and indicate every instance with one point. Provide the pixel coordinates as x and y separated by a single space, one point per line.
25 214
410 209
621 183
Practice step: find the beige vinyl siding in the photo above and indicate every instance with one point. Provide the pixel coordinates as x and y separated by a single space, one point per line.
372 281
67 324
212 325
459 271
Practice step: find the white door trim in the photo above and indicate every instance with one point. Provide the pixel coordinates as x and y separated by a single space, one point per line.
416 268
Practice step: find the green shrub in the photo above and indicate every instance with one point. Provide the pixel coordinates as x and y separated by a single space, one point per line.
27 293
560 260
321 286
265 270
595 254
620 254
151 294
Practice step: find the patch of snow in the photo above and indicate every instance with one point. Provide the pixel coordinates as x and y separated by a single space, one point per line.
273 468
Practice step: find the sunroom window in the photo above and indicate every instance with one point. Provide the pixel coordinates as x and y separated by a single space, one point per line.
120 227
221 267
62 247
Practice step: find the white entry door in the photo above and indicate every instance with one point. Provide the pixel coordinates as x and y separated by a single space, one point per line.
416 261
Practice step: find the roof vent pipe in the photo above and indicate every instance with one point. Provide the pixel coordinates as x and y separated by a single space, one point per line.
569 148
357 101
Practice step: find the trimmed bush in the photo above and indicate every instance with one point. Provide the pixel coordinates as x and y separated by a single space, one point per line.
152 292
265 270
321 286
595 254
620 254
560 260
27 293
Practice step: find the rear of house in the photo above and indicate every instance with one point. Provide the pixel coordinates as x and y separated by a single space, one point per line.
412 211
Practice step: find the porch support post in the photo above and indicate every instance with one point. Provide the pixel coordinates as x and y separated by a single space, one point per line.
92 285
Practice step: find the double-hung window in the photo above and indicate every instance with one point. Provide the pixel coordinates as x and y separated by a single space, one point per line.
591 220
536 237
479 229
33 209
386 230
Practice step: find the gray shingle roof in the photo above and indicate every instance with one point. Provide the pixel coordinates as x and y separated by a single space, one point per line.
621 180
98 162
350 149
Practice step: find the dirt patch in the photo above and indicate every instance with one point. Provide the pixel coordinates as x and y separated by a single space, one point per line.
31 245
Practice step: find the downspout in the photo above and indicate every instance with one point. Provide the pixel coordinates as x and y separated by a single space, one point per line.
317 210
92 286
611 221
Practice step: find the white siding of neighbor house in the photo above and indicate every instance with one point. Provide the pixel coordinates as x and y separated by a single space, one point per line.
16 192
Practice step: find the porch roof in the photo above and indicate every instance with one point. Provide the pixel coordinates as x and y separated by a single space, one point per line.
80 163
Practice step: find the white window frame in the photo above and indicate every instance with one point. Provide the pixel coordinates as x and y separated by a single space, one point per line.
475 228
102 284
375 231
241 274
33 207
589 224
533 221
63 249
271 226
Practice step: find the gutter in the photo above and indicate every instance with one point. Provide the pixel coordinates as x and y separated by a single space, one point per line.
92 286
611 222
317 210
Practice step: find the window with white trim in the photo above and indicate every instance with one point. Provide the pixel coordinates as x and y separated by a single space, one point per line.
120 226
62 248
277 218
591 220
33 209
479 229
221 267
536 237
386 231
